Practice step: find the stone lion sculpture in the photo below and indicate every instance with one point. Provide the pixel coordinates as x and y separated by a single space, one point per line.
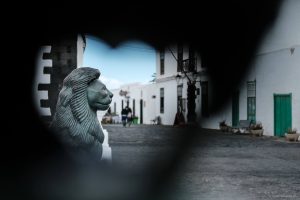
75 121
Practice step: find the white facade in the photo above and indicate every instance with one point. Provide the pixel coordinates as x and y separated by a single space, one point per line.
141 99
168 81
41 78
80 49
276 70
150 93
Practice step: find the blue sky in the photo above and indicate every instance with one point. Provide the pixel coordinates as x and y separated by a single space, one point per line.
130 62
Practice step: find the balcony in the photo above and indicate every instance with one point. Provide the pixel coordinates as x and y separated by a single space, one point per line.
189 65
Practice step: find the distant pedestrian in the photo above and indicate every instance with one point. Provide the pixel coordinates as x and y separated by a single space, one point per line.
129 117
124 114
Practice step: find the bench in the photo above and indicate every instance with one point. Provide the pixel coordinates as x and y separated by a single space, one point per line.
243 126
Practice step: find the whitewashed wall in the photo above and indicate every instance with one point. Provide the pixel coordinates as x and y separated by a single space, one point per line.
286 30
80 50
150 103
170 101
41 78
137 92
169 83
279 73
276 70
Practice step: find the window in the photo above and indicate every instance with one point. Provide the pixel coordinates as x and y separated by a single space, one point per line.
162 63
204 99
251 100
162 95
183 105
115 107
122 103
179 98
179 57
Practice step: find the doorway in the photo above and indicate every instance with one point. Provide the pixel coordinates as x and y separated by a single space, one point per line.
282 113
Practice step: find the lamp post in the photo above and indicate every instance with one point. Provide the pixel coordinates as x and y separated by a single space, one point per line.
188 69
179 94
191 97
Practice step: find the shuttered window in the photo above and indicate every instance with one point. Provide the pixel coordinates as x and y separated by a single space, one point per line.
251 100
162 62
162 99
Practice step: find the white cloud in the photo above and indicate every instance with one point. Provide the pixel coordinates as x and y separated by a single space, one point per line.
111 83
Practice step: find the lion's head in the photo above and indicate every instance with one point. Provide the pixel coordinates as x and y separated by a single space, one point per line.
75 119
83 91
99 97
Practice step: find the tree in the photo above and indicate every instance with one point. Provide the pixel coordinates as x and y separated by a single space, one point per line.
153 78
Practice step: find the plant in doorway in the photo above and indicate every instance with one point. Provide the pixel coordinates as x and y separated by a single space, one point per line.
257 129
292 135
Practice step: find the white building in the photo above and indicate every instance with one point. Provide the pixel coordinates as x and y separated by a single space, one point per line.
167 94
140 98
269 94
171 92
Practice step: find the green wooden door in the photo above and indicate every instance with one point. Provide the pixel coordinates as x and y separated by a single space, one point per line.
235 109
282 113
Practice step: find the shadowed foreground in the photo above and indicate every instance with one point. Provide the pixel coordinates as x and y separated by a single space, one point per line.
219 166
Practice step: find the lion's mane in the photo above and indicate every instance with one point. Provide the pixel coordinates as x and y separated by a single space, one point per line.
74 121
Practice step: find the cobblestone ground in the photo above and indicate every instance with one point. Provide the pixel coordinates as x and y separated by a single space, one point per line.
218 166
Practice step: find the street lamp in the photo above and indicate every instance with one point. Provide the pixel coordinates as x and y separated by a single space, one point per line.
178 77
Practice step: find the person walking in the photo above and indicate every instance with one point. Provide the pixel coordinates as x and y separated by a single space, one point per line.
129 116
124 114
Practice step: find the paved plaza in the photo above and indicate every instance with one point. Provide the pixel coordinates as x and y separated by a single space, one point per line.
217 166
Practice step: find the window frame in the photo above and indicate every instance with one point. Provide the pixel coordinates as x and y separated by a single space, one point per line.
162 62
162 99
251 101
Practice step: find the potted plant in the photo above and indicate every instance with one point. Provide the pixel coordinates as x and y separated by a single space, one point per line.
292 135
257 129
223 126
135 119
